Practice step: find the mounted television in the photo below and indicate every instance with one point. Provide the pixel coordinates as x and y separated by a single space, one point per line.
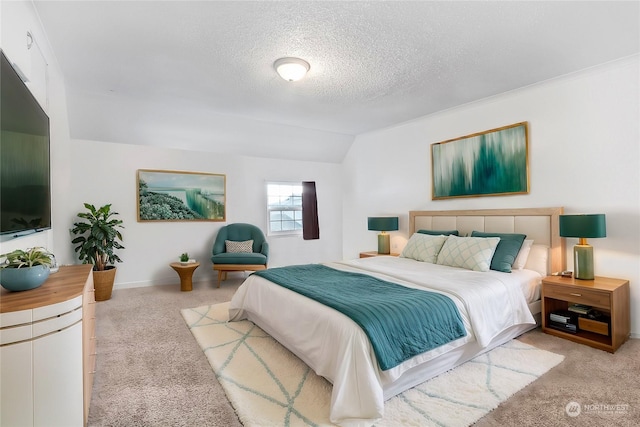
25 192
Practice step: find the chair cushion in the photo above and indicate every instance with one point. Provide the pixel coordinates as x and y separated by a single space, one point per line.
239 258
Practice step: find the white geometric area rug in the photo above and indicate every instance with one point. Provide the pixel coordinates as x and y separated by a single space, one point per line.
269 386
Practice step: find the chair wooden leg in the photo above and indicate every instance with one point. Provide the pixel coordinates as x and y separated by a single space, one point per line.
224 269
220 273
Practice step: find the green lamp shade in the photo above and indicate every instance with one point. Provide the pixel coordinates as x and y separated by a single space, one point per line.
583 227
386 223
383 223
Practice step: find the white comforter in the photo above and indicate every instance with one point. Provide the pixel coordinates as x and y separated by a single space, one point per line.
336 348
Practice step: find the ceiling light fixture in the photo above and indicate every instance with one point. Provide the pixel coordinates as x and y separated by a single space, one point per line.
291 69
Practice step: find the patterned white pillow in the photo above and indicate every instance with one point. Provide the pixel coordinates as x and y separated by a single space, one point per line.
239 247
472 253
423 247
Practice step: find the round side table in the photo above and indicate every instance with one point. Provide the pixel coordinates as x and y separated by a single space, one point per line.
185 271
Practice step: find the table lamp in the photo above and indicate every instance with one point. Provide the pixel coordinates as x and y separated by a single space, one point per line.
383 224
583 227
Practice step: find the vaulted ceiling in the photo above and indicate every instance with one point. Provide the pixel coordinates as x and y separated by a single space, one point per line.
199 75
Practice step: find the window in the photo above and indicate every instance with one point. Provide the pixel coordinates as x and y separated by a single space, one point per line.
284 207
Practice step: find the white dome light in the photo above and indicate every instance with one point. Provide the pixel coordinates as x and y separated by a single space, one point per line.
291 69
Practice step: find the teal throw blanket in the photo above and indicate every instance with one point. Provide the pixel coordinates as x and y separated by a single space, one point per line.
400 322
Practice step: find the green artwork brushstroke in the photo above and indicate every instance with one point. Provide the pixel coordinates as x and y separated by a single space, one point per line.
492 163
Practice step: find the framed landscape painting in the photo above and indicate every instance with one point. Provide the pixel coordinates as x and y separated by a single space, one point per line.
181 196
490 163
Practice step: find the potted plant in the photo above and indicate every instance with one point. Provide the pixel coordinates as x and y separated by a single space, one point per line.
24 270
184 258
98 237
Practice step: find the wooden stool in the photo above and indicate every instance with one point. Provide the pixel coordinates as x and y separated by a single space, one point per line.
185 271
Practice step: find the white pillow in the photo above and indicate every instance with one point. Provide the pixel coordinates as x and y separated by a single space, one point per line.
523 254
472 253
423 247
538 259
245 246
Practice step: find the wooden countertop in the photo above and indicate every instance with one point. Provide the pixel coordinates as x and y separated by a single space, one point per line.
61 286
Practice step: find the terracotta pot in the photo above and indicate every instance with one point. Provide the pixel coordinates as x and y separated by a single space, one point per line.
103 282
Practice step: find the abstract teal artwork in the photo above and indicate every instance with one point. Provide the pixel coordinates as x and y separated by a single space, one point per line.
180 196
490 163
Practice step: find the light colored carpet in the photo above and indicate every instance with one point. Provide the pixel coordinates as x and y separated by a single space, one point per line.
151 371
269 386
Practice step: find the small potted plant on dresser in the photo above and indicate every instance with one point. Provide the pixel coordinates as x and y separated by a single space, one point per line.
98 237
24 270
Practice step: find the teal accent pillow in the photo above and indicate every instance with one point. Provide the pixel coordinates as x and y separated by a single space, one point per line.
439 232
507 249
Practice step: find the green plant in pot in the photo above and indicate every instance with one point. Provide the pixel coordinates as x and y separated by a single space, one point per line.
24 270
184 257
98 236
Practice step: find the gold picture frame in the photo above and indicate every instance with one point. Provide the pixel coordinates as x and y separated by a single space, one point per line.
180 196
490 163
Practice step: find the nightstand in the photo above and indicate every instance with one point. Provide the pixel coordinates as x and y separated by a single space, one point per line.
606 295
374 253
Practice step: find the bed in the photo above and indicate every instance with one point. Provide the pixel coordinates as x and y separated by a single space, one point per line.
494 307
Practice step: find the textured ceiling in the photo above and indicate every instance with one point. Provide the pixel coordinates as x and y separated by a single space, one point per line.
199 75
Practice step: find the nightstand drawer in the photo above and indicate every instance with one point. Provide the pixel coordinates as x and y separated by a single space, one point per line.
578 295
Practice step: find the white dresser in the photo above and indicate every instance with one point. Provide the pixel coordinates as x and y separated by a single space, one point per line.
47 351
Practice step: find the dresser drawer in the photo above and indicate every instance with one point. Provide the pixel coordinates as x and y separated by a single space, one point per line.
578 295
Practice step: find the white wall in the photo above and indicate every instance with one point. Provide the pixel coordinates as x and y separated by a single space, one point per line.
99 173
584 155
106 173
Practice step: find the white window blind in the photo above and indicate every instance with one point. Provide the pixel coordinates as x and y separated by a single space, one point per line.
284 207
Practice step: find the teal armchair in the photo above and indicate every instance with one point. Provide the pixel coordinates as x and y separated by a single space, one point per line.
238 255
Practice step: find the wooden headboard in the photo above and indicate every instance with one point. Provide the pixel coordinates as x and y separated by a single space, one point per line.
539 224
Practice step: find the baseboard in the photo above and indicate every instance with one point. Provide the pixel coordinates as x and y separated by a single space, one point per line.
175 281
149 283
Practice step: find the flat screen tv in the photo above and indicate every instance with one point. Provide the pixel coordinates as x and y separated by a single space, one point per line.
25 193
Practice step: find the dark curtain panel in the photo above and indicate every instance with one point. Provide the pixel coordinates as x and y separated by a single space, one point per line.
310 227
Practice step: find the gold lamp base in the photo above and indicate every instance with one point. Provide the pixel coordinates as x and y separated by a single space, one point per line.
384 246
583 261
